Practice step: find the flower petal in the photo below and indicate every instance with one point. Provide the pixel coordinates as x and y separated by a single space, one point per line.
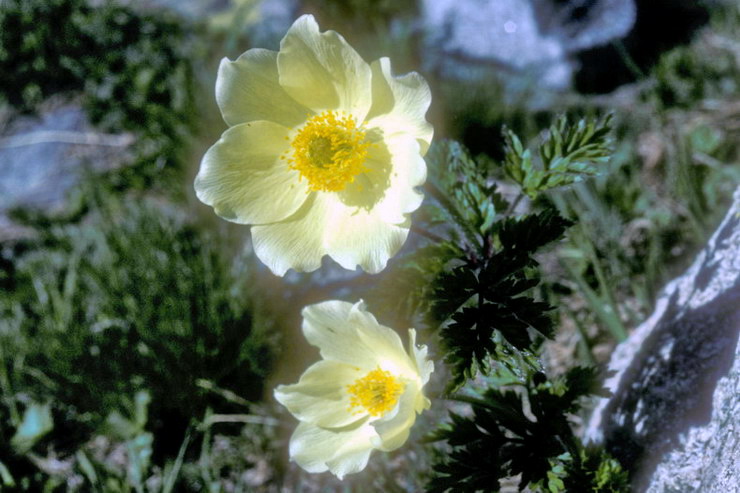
418 354
322 71
342 451
407 170
248 89
320 397
392 433
383 341
361 237
351 234
352 342
400 104
243 178
296 242
327 326
350 334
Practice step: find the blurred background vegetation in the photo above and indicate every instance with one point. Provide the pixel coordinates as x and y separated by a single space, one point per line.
139 337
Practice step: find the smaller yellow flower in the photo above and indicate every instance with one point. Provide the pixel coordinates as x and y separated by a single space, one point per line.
363 395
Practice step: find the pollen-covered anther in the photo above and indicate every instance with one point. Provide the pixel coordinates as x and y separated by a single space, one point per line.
329 151
377 393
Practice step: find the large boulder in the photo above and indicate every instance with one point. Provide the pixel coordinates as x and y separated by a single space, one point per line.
674 417
43 158
468 39
531 45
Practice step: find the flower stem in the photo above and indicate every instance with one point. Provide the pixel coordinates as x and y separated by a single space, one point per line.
427 234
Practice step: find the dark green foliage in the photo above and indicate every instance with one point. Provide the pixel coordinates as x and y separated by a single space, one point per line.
131 300
500 439
137 73
568 153
132 68
706 69
484 290
677 81
133 71
40 49
596 472
484 296
492 323
531 232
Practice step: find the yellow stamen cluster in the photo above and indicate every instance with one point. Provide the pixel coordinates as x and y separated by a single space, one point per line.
329 151
377 392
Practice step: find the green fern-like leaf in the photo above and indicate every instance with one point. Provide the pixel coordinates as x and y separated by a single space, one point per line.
481 298
499 440
465 195
568 154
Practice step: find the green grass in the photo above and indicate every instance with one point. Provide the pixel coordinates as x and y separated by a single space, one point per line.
131 300
663 194
656 202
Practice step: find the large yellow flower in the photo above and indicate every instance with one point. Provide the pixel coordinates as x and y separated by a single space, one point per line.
322 153
363 395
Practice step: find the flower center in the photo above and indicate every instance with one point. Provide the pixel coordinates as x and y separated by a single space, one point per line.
329 151
377 392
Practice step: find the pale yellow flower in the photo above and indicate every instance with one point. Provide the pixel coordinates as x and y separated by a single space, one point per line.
363 395
322 153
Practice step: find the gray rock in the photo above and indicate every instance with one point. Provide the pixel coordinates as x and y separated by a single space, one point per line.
43 158
708 459
465 38
674 418
584 24
469 39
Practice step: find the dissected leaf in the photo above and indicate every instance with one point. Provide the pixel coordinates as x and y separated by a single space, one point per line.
469 199
498 440
568 154
481 298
